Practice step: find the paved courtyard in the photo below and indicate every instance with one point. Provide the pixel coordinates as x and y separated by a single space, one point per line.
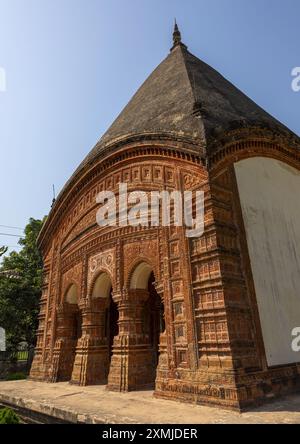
94 404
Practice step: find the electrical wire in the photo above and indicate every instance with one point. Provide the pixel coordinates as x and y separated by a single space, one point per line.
9 226
13 235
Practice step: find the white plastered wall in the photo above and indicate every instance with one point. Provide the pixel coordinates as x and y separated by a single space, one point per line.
270 199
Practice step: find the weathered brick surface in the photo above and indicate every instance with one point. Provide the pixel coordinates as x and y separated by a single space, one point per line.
212 349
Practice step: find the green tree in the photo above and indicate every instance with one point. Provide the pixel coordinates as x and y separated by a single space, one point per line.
20 288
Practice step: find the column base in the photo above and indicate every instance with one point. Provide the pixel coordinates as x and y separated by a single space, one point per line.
39 370
91 365
131 366
62 361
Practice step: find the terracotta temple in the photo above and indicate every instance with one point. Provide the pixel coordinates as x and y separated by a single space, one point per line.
203 320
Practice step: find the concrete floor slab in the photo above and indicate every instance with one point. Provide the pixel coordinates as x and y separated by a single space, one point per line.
94 404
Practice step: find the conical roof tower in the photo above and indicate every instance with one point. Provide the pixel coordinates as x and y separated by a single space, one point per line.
185 97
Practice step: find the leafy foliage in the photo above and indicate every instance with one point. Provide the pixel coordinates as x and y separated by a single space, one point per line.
8 416
15 376
20 289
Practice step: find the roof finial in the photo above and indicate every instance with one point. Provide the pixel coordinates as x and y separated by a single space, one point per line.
54 198
177 37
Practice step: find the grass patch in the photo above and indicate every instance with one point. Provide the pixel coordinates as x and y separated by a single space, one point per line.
15 376
8 416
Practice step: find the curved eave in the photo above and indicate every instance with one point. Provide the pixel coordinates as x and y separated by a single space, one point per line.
239 132
192 146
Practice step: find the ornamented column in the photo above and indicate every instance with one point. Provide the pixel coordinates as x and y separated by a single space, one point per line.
92 355
64 349
37 371
163 364
131 364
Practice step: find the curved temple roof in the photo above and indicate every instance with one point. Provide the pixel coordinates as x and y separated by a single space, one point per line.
185 97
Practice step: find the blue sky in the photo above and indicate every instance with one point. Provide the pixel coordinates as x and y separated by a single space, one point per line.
72 65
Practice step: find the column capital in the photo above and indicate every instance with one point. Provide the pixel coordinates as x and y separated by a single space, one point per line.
138 295
66 308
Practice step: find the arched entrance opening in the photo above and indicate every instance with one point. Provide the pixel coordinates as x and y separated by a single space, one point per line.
111 324
69 330
152 317
76 316
109 316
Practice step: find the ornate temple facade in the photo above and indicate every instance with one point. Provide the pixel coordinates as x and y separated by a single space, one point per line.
204 320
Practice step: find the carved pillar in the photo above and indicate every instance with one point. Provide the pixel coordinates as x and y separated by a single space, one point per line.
92 355
43 350
163 365
64 349
131 366
37 370
242 335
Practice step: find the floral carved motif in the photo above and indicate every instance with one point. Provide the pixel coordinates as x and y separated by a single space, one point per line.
104 261
193 180
139 251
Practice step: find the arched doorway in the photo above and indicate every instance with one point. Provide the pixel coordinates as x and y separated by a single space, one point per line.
72 299
152 322
108 319
69 330
111 324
